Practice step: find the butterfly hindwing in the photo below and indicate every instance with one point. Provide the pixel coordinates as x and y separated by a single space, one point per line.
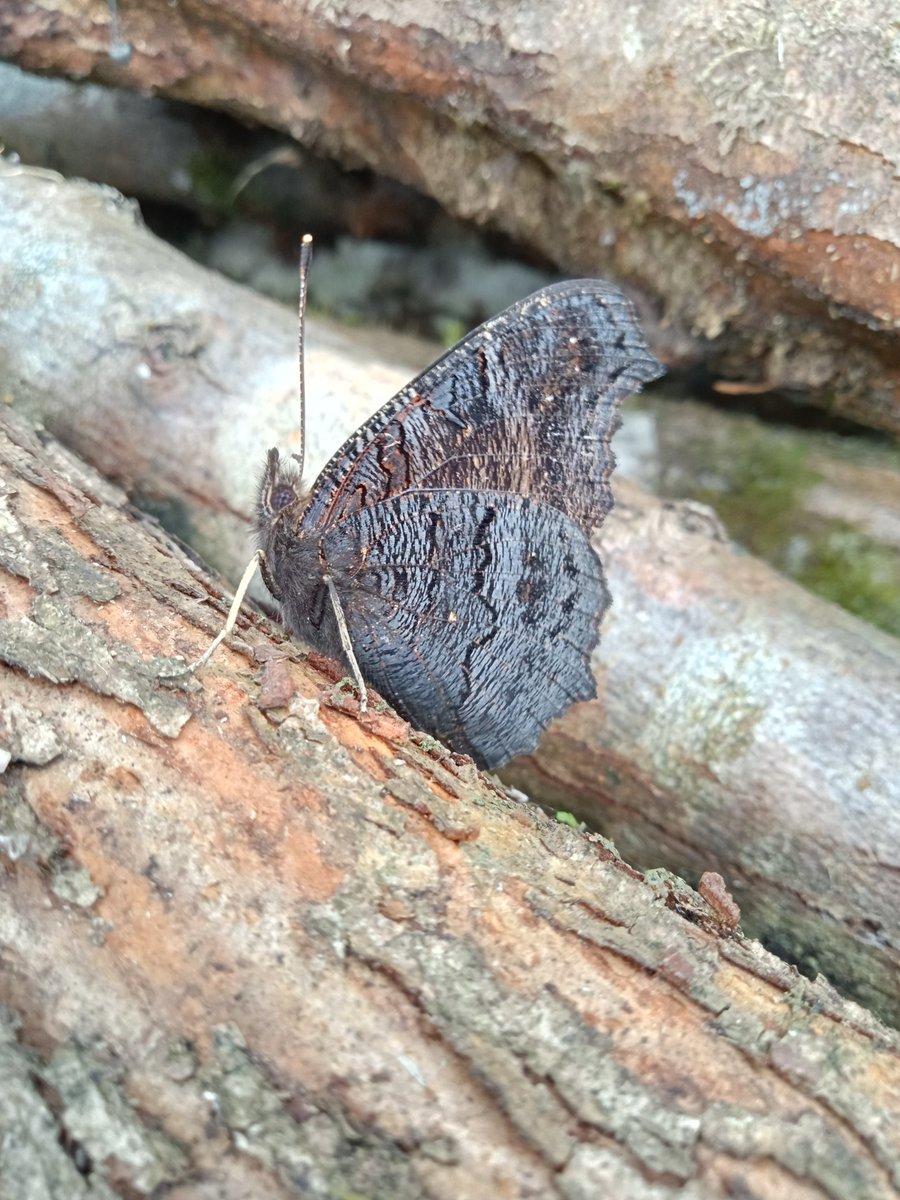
473 612
527 403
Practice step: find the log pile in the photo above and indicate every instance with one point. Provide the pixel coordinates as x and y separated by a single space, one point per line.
254 942
742 726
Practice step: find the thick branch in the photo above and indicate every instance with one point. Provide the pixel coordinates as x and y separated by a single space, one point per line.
734 168
275 951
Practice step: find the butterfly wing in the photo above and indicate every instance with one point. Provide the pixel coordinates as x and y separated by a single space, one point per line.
527 403
473 612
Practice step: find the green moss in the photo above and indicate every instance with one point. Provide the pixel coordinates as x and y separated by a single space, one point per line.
430 745
212 180
765 513
449 330
858 574
344 688
758 477
767 478
567 818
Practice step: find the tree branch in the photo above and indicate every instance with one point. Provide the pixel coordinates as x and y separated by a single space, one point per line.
729 166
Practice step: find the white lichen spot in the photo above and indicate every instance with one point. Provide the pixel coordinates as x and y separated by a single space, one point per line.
412 1068
632 43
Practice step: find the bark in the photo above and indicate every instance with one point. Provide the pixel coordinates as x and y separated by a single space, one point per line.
255 945
745 726
733 167
741 726
157 372
821 509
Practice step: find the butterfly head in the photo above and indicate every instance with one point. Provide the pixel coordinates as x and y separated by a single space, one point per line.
279 490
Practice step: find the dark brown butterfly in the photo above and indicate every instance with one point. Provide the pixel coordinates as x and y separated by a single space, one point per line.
445 548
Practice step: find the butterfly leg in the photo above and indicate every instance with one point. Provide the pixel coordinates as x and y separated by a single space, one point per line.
256 561
267 576
346 644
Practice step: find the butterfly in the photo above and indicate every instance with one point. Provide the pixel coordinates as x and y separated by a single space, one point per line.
444 552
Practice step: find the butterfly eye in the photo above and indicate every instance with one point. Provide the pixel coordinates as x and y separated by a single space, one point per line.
281 497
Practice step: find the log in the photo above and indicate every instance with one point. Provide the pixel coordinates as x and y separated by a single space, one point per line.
742 726
732 168
256 945
822 509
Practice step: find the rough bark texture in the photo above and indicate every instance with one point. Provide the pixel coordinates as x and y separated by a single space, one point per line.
742 725
737 167
255 946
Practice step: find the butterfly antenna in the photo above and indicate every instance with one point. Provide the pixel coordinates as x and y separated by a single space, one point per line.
305 260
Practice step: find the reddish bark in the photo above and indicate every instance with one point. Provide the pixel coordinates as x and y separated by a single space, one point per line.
286 952
743 726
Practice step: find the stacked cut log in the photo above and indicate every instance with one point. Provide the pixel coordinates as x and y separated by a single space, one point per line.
238 916
738 169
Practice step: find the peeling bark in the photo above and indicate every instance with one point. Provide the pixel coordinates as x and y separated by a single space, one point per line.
742 726
732 166
291 973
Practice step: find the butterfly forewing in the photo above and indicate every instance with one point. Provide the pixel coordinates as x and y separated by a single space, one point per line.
526 403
